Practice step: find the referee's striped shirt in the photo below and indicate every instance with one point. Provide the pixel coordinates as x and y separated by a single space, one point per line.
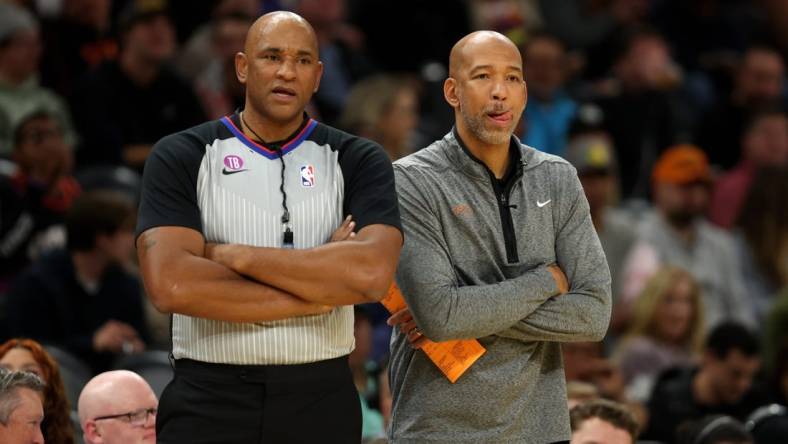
215 180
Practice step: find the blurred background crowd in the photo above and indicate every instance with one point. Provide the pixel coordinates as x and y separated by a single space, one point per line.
673 113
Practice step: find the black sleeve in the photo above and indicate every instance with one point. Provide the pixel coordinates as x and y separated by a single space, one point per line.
370 194
169 184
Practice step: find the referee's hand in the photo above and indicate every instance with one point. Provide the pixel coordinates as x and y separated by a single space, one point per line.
345 231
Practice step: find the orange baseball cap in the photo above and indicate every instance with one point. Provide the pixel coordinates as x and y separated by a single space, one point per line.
682 164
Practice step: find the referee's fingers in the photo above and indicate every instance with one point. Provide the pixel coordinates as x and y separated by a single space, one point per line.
345 230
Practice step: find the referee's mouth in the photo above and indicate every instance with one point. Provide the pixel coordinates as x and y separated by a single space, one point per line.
284 93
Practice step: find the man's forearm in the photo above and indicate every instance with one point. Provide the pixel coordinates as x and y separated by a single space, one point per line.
582 314
572 317
451 312
211 291
337 273
178 281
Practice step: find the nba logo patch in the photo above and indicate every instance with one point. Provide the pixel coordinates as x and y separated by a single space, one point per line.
307 176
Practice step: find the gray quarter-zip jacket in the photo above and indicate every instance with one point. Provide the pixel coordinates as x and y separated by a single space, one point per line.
474 265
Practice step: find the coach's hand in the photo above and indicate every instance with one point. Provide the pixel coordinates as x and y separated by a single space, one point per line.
403 319
560 278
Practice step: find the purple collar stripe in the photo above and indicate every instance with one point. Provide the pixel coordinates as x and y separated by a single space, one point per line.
264 150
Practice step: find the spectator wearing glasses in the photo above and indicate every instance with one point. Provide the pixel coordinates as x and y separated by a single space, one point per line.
118 407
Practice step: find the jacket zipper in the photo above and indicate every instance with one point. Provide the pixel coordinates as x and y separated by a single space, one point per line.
507 224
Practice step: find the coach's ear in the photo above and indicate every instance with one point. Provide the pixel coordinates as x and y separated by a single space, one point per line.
450 92
241 67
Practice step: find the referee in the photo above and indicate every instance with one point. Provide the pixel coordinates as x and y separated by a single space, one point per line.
233 239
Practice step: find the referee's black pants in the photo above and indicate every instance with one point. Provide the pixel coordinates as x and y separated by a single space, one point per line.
222 403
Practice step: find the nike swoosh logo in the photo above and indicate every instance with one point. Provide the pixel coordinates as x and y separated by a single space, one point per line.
227 173
541 204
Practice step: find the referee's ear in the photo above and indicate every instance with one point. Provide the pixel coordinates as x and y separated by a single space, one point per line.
241 67
319 76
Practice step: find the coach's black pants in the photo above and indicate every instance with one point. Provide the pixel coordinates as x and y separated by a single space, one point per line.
219 403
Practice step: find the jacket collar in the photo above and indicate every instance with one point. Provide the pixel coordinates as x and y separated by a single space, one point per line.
459 155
